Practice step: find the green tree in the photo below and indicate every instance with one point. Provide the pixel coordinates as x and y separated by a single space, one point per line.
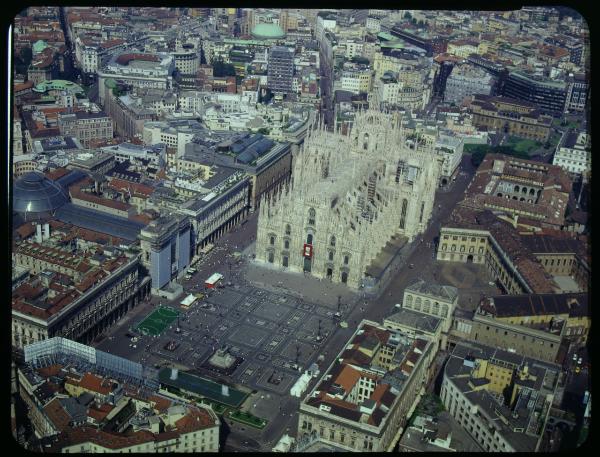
407 15
221 68
360 60
479 152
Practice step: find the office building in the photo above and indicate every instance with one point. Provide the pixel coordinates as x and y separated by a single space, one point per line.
547 95
465 81
166 245
280 69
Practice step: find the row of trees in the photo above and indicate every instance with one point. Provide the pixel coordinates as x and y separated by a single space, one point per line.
413 20
220 68
479 151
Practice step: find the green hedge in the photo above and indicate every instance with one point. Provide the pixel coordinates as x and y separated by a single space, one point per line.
248 419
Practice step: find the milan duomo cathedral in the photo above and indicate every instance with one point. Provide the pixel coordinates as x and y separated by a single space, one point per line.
348 196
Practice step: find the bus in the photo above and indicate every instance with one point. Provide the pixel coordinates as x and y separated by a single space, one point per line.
188 301
211 282
206 249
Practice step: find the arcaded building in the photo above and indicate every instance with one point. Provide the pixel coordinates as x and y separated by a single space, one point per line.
350 195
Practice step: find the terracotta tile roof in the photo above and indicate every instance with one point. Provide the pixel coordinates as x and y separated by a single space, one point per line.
78 194
26 230
160 404
388 398
420 344
412 357
348 378
51 370
57 173
355 357
141 190
197 418
107 440
90 280
24 86
95 383
379 391
100 413
57 414
111 43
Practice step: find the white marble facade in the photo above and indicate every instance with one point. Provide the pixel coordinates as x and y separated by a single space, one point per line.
349 194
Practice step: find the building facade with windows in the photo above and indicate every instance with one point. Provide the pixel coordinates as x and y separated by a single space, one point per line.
166 245
547 95
68 296
515 117
280 69
502 399
349 195
434 300
137 69
574 154
363 401
86 126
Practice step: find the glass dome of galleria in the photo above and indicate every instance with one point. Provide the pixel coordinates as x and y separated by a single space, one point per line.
267 31
34 193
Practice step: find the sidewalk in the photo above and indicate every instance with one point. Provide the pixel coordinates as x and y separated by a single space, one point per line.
310 289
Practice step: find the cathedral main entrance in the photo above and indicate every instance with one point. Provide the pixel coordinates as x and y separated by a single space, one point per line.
307 264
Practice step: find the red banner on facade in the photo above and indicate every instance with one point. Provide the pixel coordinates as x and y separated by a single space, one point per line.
308 250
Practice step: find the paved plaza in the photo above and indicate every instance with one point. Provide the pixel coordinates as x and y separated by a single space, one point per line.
276 323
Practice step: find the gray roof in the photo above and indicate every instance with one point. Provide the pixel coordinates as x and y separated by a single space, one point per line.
419 321
99 221
76 410
34 193
66 180
435 290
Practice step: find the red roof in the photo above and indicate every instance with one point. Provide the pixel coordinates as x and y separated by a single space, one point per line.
95 383
23 86
348 378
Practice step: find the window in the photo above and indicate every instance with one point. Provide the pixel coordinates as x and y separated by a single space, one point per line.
288 229
311 216
309 238
330 255
286 244
332 241
272 240
271 257
346 259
